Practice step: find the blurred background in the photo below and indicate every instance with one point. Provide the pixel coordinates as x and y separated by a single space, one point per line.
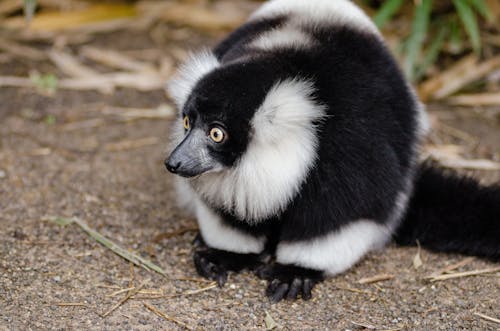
61 59
84 123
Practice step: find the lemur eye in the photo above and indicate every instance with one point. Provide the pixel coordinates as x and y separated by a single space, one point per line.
185 122
217 134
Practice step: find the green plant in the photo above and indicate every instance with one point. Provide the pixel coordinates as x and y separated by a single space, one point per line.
431 31
29 9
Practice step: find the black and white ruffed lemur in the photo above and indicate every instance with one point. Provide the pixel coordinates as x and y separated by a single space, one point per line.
298 137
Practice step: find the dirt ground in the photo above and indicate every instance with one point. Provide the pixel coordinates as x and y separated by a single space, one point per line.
59 278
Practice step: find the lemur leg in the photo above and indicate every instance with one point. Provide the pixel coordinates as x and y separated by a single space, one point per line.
226 248
302 264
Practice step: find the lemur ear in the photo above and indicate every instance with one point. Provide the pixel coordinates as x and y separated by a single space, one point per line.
195 67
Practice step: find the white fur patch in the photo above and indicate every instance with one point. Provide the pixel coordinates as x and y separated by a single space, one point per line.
221 236
186 197
278 157
337 251
317 12
288 36
197 66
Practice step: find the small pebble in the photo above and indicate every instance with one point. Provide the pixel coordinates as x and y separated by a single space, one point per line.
3 174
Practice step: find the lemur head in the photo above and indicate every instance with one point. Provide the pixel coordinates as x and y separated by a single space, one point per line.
246 135
216 119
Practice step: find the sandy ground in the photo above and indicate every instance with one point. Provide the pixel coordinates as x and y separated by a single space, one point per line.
125 193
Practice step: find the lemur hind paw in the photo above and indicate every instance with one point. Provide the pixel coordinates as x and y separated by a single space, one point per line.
214 264
288 281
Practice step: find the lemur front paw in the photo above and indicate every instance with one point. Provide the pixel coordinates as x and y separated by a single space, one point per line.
214 264
288 281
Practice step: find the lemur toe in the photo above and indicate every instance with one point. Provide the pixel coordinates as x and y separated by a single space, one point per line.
289 282
210 270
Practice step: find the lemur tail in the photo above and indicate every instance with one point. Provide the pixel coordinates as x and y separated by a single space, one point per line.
452 213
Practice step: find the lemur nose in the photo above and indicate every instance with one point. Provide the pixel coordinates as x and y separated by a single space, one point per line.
172 166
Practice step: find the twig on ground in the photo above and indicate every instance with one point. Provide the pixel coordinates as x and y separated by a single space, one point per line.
376 278
355 290
373 327
452 80
70 65
452 267
488 318
115 59
86 124
131 257
175 233
71 304
463 274
19 50
165 316
162 111
186 293
104 83
122 301
472 100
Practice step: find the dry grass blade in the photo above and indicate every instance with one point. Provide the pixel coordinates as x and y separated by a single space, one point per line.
130 144
270 322
376 278
355 290
364 325
373 327
463 274
203 289
74 19
22 51
115 59
449 156
452 80
417 260
144 81
205 18
488 318
13 81
162 111
167 235
471 100
131 257
71 304
104 83
122 301
123 290
453 267
474 164
70 66
166 317
80 125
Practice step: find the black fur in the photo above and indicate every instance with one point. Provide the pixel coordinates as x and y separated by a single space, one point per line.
451 213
